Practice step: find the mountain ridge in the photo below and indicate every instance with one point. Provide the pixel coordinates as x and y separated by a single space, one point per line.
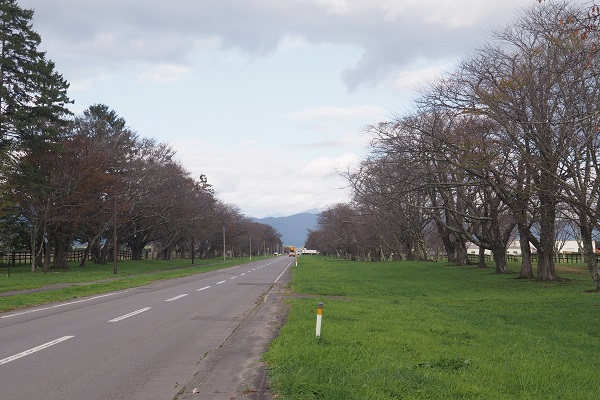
293 228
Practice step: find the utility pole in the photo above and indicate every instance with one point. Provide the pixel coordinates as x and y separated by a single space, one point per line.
115 232
192 250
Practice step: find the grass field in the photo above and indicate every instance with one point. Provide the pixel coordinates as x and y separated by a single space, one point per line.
94 279
432 331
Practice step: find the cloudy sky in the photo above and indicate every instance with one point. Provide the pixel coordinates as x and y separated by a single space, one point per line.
268 98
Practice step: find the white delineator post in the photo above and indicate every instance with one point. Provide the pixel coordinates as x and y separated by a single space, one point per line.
319 317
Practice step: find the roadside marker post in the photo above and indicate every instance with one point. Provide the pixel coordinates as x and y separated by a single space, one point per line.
319 317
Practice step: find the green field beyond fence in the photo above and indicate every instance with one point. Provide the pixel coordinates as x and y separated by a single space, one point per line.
432 331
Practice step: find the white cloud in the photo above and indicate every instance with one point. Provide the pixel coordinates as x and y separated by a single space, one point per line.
334 6
341 143
291 42
164 73
367 111
447 13
392 33
413 77
271 180
328 167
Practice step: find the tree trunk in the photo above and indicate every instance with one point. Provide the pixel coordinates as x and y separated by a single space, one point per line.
461 251
481 263
33 252
165 253
499 252
545 267
86 255
421 248
136 244
89 249
96 252
526 267
107 252
46 248
137 250
61 251
589 252
450 249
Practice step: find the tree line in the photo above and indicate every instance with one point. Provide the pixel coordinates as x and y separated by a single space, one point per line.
90 179
504 146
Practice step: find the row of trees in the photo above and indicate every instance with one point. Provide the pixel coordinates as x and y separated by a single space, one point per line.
502 148
89 178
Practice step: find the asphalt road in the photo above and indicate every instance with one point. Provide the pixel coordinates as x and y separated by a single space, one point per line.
195 337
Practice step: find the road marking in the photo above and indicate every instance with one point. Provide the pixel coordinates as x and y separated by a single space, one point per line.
204 288
176 297
60 305
267 295
218 283
243 274
31 351
233 277
285 269
131 314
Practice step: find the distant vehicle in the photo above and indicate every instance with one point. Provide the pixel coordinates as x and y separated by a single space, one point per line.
275 254
292 251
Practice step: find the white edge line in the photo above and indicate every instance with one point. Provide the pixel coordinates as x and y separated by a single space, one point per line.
60 305
131 314
280 275
31 351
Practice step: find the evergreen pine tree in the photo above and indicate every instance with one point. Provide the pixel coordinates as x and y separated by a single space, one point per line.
33 96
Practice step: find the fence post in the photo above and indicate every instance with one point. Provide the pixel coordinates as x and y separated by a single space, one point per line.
13 263
319 317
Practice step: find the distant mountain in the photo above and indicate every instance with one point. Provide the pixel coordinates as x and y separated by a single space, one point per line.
293 229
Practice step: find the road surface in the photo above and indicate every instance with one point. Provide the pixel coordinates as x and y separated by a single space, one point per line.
194 337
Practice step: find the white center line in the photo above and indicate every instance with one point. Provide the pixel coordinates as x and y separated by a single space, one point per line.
31 351
204 288
131 314
61 305
218 283
233 277
176 297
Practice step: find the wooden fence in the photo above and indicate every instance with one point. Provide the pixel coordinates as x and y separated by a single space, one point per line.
560 258
23 257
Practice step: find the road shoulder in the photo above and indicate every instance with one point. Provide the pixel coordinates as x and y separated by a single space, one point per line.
235 370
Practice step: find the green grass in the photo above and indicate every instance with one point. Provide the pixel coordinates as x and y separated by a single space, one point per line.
93 279
431 331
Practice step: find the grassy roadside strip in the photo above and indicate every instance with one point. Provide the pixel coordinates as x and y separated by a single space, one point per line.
431 331
76 282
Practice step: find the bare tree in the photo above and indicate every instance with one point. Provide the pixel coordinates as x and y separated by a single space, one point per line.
519 83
